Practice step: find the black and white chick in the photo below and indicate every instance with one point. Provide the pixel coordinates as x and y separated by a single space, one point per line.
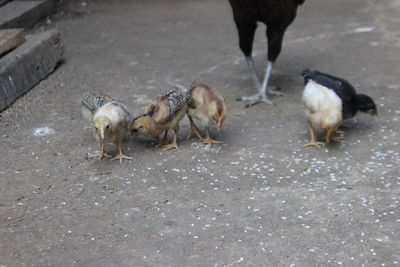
164 113
109 120
329 101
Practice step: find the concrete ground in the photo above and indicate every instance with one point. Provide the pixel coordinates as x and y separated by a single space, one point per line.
260 199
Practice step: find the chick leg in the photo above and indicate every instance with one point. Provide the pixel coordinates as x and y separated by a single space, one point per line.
208 140
164 141
174 143
120 155
101 154
193 129
336 139
313 141
329 137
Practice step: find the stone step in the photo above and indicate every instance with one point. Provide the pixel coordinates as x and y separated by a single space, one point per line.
24 14
28 64
10 39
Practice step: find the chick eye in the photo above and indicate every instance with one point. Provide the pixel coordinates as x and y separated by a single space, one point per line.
95 128
141 126
108 126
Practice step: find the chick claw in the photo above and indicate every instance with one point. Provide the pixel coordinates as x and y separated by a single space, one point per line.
121 157
209 141
171 146
337 139
100 156
161 143
314 143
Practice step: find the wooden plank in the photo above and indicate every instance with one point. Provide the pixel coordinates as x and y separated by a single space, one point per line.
10 39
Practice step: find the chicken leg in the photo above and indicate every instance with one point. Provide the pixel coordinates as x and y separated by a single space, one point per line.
263 89
275 35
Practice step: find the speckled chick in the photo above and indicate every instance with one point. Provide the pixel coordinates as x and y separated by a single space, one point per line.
207 107
110 121
163 114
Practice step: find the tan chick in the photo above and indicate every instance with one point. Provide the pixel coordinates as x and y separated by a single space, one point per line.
207 107
110 122
163 114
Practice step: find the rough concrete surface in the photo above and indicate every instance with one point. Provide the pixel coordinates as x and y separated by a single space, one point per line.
27 65
10 39
260 199
24 14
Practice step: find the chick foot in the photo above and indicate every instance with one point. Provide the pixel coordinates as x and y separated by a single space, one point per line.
337 139
163 142
209 141
314 143
121 157
172 145
101 154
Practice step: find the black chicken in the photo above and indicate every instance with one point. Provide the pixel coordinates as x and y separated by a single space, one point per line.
277 15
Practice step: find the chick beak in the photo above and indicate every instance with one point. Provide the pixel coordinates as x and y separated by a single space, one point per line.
102 133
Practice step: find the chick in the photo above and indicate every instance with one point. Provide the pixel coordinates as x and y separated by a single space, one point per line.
163 114
351 101
324 111
208 108
330 100
110 121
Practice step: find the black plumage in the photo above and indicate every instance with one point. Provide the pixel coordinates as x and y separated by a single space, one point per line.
351 101
277 15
